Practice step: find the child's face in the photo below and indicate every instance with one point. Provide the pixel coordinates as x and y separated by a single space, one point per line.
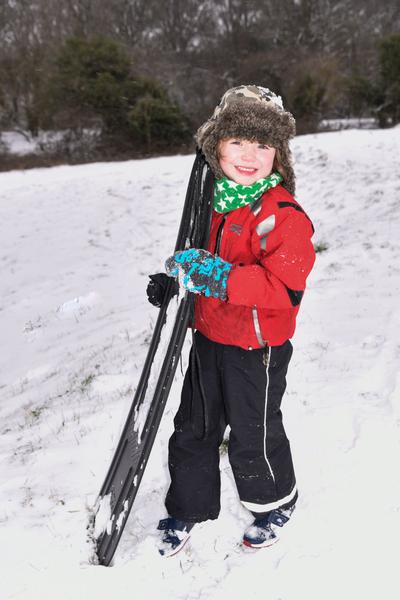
245 162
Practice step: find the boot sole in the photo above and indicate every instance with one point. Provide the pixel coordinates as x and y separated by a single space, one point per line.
263 545
177 550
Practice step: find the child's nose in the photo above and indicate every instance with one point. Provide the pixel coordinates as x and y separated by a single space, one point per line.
248 152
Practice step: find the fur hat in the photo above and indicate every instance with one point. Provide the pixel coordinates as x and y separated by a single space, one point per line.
250 112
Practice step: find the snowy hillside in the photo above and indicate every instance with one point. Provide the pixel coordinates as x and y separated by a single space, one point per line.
77 244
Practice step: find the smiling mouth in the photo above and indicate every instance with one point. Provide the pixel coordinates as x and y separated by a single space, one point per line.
246 170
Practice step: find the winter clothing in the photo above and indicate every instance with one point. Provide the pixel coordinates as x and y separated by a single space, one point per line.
243 389
261 533
229 195
270 248
252 113
175 535
251 282
157 288
200 272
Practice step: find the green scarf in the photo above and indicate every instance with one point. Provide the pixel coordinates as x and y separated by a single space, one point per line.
229 195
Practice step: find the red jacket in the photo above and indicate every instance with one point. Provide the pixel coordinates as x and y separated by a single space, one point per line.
269 245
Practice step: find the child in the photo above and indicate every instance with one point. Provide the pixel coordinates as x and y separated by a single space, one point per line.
250 284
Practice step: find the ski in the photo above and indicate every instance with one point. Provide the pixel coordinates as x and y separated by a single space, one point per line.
128 464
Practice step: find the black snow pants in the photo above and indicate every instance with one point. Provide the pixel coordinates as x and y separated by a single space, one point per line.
226 385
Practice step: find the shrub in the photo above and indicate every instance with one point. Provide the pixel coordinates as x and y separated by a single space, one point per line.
94 86
155 120
389 59
3 147
361 95
313 90
88 82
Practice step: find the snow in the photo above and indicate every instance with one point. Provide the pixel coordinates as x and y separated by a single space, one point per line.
17 142
102 510
77 245
23 142
348 123
121 517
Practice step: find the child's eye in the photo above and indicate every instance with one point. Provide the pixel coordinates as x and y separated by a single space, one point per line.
264 146
236 142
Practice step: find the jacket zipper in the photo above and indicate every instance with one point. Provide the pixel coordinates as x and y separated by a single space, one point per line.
257 327
267 356
219 235
256 321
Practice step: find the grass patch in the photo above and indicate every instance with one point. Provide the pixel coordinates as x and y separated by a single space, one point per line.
85 383
320 247
33 415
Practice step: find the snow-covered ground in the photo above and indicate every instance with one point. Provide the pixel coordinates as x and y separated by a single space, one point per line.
77 244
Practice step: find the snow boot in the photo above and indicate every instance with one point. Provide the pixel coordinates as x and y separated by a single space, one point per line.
175 535
260 534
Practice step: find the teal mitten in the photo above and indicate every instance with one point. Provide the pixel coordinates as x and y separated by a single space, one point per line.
200 272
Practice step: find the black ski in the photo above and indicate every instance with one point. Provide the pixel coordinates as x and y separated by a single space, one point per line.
131 455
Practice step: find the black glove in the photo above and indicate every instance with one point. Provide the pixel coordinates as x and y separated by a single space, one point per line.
157 288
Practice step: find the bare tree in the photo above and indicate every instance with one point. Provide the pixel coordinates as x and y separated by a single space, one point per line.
195 49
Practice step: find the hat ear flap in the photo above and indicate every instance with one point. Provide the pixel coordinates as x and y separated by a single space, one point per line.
209 145
284 164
